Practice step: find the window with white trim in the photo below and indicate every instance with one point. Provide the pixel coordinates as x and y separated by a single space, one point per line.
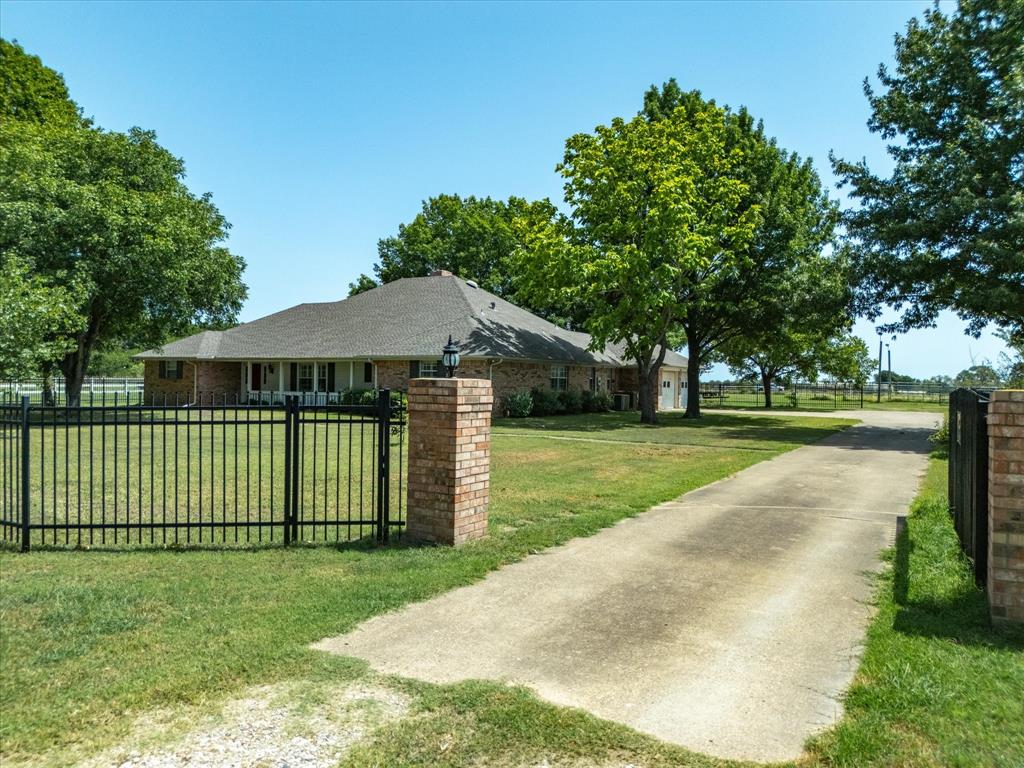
305 377
428 369
321 377
559 378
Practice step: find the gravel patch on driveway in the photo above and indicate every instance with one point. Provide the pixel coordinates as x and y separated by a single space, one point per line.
270 726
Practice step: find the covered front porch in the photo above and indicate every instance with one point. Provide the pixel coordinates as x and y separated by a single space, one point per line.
313 382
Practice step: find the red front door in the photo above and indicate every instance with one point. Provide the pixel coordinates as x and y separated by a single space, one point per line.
257 377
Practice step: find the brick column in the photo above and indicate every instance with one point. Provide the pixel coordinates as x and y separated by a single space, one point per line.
1006 505
449 459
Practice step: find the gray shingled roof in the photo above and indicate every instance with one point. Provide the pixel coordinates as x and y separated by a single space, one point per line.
406 319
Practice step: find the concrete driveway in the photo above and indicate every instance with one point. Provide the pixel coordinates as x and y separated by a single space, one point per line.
728 621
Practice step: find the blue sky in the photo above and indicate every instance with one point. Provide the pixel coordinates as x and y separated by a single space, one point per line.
320 127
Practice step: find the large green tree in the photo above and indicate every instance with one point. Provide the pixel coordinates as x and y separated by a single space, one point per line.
657 220
109 213
799 324
846 358
945 230
795 226
474 238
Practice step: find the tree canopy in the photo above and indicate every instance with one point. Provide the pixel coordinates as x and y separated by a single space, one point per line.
982 375
109 214
750 297
474 238
33 93
657 219
799 326
945 230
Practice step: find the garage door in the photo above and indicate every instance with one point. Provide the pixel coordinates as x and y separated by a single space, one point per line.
668 392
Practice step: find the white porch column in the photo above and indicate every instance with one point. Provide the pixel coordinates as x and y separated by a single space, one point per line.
351 365
315 378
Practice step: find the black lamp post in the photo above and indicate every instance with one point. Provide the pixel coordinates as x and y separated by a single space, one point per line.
450 357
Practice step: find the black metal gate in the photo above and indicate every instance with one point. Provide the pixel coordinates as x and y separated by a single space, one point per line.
968 474
340 483
212 472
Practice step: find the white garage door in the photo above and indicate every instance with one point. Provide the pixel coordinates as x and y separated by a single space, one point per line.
668 391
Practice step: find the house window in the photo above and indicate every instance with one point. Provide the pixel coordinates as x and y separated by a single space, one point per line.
321 377
305 377
559 378
593 379
428 369
367 373
170 369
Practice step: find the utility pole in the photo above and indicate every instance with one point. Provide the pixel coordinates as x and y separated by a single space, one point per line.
878 394
888 353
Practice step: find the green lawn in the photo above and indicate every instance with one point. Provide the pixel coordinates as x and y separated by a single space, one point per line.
91 640
937 685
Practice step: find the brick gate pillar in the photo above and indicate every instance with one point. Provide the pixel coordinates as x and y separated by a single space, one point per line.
1006 505
449 459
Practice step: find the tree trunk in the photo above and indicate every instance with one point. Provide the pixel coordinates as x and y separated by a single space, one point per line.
648 412
48 397
766 382
73 369
692 377
75 364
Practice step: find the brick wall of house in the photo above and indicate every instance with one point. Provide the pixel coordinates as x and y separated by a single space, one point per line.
1006 505
215 379
394 374
219 378
156 389
505 377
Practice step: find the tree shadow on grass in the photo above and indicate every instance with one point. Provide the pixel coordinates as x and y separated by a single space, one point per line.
961 616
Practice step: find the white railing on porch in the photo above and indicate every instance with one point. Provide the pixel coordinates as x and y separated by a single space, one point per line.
278 397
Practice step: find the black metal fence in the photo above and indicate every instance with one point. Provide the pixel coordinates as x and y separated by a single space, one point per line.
802 396
968 474
215 473
807 396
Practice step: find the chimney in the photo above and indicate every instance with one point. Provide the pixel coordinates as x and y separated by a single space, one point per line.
441 273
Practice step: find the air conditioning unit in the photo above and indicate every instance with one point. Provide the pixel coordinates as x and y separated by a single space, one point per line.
623 401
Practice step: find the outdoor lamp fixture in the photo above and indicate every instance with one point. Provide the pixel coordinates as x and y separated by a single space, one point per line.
450 357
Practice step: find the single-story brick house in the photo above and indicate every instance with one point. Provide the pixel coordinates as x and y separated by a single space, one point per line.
384 337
